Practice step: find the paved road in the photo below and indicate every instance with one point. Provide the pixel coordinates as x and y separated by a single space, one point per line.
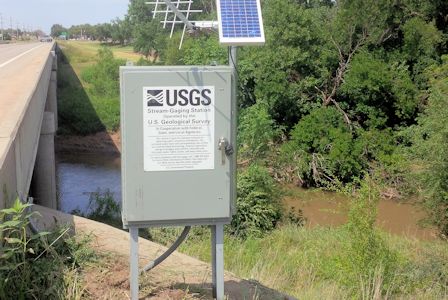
11 52
20 68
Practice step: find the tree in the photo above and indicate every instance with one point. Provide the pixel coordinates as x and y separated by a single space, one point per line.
139 12
296 58
57 30
373 25
354 24
103 32
430 144
323 149
379 93
148 36
202 50
120 31
420 46
82 31
149 39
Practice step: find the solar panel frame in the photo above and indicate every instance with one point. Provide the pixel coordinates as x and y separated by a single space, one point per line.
232 30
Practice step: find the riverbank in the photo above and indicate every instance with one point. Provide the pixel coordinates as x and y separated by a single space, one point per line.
90 163
100 142
88 87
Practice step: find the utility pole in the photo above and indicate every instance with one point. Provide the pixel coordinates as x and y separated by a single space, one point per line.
1 24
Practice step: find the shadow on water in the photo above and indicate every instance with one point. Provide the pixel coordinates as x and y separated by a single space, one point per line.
80 175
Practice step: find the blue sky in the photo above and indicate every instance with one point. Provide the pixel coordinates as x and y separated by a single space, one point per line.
44 13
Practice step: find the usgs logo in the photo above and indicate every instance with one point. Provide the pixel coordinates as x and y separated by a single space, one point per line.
179 96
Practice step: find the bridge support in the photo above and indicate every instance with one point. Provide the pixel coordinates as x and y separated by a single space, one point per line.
44 177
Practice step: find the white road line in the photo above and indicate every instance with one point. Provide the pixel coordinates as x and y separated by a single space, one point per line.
18 56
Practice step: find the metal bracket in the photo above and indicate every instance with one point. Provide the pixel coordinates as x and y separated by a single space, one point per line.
180 15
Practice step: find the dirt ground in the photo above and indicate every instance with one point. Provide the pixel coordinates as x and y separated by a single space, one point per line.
178 277
101 142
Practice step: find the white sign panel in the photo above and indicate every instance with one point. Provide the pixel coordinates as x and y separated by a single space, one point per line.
178 128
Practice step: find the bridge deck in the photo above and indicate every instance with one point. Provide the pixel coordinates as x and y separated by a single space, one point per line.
24 75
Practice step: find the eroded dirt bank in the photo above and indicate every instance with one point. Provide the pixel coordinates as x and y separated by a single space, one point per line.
101 142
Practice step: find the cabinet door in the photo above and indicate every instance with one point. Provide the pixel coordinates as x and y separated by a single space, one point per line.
177 145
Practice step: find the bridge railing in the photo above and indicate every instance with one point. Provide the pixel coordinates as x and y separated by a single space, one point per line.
18 150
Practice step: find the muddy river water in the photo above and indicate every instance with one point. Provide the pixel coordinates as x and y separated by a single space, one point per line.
331 209
81 174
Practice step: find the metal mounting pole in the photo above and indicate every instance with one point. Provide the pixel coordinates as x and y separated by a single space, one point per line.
217 230
218 261
133 232
233 59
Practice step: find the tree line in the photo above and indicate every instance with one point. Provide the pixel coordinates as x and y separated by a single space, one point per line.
341 89
117 31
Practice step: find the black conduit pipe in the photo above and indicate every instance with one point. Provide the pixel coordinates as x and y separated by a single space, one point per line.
168 252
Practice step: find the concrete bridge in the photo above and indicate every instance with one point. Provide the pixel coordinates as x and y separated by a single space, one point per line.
28 121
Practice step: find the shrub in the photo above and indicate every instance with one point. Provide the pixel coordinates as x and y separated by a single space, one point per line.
384 151
202 50
323 149
257 206
102 208
256 132
365 257
104 75
75 111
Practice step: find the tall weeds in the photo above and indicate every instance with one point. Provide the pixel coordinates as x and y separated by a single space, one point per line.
42 265
365 253
353 261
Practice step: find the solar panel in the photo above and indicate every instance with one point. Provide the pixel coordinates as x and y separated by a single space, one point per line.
240 22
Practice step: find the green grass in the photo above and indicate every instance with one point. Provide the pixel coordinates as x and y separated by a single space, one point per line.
81 110
355 260
85 51
303 262
76 108
323 262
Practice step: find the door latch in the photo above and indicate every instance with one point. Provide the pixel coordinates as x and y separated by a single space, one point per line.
226 149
